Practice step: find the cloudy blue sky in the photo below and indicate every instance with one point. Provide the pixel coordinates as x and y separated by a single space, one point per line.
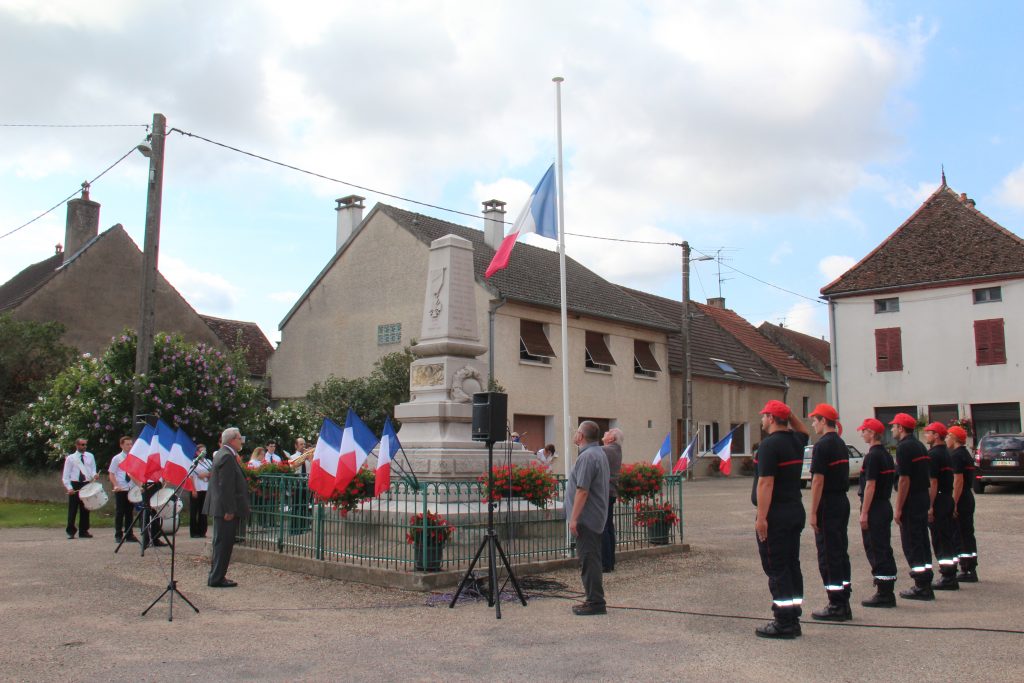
790 137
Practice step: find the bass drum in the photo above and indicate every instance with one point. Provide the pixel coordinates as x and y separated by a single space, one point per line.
169 512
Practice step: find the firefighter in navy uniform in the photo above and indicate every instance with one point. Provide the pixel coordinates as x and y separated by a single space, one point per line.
940 517
912 505
876 483
780 516
963 503
830 512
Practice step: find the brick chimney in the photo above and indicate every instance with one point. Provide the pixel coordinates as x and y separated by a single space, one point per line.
350 215
717 302
494 222
83 223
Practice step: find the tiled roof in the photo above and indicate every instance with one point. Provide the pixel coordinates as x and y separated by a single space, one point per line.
22 285
239 334
708 340
748 335
945 240
818 349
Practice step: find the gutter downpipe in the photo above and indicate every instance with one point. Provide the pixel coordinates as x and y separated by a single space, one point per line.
495 305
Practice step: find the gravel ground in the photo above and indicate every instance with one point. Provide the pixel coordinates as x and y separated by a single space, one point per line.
71 611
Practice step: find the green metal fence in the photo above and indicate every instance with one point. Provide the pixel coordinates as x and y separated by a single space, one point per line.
286 519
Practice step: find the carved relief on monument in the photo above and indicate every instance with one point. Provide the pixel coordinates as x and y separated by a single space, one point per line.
436 285
465 383
427 375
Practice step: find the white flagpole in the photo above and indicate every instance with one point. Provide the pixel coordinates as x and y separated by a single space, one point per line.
566 425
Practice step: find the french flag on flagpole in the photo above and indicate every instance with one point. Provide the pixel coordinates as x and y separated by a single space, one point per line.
538 216
389 446
138 456
179 461
685 457
666 446
323 470
723 449
356 443
160 452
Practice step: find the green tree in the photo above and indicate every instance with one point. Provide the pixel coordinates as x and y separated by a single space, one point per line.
284 423
373 398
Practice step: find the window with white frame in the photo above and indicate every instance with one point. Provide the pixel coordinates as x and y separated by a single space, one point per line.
987 295
390 333
890 305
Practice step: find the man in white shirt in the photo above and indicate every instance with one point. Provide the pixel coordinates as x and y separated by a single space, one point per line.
197 521
121 483
272 456
79 470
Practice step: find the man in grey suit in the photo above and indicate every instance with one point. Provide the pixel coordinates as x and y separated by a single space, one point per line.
227 501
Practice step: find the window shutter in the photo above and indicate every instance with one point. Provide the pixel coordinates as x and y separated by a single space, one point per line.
888 349
895 349
989 342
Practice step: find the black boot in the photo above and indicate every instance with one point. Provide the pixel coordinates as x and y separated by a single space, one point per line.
779 631
918 593
883 596
836 611
968 576
947 582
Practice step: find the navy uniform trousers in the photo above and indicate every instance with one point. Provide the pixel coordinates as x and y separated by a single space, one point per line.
780 559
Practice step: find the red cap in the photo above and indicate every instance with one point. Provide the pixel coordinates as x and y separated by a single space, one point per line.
776 409
938 428
826 411
874 425
903 420
958 433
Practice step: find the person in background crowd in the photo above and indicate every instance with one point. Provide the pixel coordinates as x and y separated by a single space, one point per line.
197 521
963 501
586 506
271 455
546 456
256 460
940 516
227 501
612 441
79 470
912 505
300 508
151 524
120 482
876 483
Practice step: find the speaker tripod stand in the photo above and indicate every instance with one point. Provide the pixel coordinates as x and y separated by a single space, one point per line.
494 550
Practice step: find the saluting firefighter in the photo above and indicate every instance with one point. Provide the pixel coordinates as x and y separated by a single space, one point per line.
876 483
940 517
830 512
912 505
963 503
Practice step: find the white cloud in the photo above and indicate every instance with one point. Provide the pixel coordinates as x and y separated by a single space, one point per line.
832 267
208 292
805 316
1011 189
781 252
905 197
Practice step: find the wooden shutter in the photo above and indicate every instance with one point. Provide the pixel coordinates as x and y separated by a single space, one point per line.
598 350
888 350
989 342
532 335
644 357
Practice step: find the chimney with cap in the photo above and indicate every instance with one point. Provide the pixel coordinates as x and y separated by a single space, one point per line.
350 214
717 302
83 223
494 223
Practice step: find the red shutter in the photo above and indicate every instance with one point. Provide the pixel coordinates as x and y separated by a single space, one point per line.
989 342
888 349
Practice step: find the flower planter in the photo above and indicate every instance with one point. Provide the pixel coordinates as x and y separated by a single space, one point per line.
657 533
428 558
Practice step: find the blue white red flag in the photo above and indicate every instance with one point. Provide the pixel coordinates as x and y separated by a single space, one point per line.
389 446
723 449
136 462
160 450
356 443
686 457
666 446
323 470
539 216
179 461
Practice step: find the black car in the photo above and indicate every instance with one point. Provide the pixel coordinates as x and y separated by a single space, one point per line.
999 459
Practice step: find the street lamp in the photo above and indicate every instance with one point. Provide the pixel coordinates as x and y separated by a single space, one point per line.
685 335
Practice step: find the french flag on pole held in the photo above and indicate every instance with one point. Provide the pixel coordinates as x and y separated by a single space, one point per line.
160 452
685 457
138 457
356 443
723 449
538 216
385 456
666 446
179 461
323 472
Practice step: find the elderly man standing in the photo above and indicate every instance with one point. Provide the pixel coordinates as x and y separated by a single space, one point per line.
586 507
612 441
227 501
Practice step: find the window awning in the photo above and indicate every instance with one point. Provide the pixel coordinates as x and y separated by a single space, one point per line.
644 356
532 335
598 350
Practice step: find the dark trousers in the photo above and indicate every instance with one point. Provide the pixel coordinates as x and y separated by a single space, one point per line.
151 524
197 522
833 545
942 532
965 524
878 542
76 509
223 543
780 559
914 539
122 514
608 538
588 551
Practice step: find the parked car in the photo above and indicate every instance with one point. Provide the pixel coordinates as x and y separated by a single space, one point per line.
856 463
998 459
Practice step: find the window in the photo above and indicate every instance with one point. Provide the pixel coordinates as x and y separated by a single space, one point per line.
885 416
644 363
533 342
739 438
1000 418
725 367
943 412
987 295
598 357
709 436
887 305
989 343
389 334
807 405
888 350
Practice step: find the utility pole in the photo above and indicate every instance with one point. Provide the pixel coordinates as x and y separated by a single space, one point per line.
685 336
151 248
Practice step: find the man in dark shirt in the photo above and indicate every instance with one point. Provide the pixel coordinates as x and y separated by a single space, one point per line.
963 502
876 478
830 512
780 516
912 505
940 517
612 441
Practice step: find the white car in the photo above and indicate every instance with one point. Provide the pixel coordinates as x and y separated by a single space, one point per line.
856 463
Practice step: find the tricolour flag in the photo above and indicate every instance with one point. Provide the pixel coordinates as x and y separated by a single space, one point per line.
685 457
356 443
385 455
160 451
179 461
138 456
323 471
723 449
666 446
538 216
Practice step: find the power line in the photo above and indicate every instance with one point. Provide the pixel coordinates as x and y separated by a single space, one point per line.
765 282
74 125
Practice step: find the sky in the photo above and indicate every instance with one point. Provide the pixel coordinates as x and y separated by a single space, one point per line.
784 139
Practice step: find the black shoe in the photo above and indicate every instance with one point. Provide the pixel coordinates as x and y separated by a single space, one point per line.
131 539
774 629
84 534
880 600
586 610
607 570
970 576
918 593
223 583
71 537
946 583
834 612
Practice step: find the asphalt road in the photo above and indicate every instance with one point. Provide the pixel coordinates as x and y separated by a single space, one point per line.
71 611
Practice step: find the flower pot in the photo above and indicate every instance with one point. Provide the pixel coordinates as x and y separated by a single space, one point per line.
428 556
657 533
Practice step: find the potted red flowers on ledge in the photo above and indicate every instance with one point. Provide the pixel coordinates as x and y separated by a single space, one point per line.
533 482
428 534
658 517
358 490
